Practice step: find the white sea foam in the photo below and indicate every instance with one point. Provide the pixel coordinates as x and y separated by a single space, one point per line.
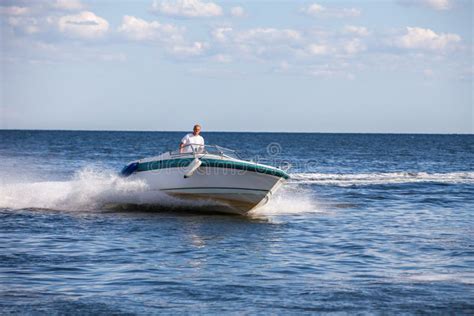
89 189
290 199
465 278
382 178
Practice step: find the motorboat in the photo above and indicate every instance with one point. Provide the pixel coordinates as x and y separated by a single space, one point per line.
210 174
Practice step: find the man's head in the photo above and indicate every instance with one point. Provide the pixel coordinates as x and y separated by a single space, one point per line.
197 129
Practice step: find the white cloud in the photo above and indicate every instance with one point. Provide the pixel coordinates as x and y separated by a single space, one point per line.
140 30
428 73
289 44
318 49
67 5
255 42
41 7
222 58
33 24
15 10
354 46
317 10
283 66
237 11
356 30
439 5
84 25
169 36
426 39
340 48
267 35
182 50
26 25
48 20
221 34
186 8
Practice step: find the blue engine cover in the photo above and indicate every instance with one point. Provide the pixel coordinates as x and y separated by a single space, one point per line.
129 169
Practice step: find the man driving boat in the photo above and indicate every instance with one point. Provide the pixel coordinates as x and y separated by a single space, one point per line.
192 141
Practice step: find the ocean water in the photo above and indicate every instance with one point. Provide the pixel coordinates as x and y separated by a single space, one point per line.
367 224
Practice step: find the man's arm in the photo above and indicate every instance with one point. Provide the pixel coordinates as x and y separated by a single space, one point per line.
181 144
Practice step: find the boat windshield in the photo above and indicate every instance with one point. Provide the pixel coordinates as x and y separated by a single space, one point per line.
205 149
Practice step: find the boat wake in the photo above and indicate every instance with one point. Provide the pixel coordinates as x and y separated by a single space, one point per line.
382 178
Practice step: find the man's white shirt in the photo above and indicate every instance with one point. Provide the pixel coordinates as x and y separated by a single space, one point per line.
191 139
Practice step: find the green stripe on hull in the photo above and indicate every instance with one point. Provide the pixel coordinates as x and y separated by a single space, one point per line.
242 166
216 163
164 164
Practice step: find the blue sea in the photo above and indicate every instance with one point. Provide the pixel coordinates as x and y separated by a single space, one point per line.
367 223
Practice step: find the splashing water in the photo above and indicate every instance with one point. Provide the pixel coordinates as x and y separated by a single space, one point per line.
88 189
290 199
91 189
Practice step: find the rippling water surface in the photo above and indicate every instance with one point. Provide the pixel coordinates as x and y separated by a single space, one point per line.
367 223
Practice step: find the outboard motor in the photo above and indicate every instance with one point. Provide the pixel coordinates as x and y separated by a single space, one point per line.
129 169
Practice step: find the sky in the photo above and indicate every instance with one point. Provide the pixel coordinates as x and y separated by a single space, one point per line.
401 66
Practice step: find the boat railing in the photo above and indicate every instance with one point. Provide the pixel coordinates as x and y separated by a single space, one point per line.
201 150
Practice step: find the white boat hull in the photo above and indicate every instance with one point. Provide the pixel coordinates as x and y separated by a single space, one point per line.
226 190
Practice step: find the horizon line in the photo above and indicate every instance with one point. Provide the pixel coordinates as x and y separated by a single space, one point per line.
217 131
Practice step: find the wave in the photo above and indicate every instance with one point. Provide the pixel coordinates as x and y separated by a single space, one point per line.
382 178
